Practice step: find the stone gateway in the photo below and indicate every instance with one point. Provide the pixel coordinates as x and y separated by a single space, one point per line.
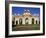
26 18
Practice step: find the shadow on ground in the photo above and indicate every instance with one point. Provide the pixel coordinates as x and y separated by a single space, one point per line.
26 27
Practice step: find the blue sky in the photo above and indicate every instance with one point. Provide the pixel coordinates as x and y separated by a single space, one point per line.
20 10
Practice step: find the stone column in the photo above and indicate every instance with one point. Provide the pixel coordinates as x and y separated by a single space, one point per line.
37 22
15 22
30 21
23 21
18 21
34 21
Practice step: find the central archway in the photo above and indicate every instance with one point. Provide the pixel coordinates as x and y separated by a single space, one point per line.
26 21
20 21
36 21
32 20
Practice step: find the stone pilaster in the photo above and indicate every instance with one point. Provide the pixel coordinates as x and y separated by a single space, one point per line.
23 21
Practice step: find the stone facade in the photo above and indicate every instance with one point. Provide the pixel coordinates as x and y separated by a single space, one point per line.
26 18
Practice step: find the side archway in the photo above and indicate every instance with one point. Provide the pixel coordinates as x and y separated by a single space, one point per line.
36 21
32 20
13 21
16 22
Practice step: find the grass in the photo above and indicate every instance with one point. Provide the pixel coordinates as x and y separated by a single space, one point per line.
26 27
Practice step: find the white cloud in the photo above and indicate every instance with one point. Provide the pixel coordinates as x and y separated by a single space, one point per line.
35 14
15 13
18 14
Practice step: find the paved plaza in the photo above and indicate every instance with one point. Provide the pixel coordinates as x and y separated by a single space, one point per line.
26 27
